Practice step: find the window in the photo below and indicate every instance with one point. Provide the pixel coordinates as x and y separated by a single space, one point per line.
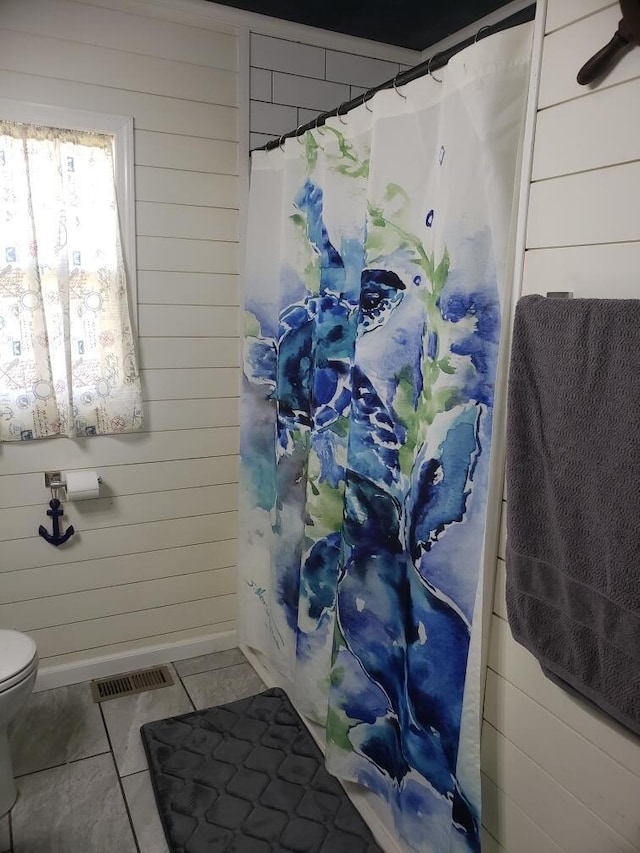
67 357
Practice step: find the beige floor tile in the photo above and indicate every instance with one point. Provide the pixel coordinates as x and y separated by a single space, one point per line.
5 837
144 813
223 685
76 808
205 663
125 716
57 726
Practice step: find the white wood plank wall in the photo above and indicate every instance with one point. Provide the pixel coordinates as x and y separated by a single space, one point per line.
558 776
153 560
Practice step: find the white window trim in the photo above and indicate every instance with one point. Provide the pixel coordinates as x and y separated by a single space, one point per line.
121 127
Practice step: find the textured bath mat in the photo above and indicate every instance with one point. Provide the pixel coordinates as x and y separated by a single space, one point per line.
247 777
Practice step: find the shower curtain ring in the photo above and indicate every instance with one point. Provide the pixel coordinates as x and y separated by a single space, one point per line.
280 141
321 132
397 91
430 72
365 102
486 27
298 138
339 116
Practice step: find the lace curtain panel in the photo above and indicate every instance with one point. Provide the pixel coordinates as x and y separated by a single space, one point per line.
67 364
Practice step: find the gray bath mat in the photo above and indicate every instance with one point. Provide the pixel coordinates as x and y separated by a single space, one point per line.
247 777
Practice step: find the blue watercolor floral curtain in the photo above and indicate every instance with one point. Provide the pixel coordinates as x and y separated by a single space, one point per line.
378 255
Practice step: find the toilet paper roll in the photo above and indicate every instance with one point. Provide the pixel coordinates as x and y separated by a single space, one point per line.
82 485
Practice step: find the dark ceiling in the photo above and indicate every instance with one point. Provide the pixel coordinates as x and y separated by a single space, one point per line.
415 24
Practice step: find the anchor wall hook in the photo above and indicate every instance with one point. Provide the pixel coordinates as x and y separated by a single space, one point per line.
56 538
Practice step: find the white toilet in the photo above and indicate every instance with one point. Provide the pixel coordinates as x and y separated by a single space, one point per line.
18 670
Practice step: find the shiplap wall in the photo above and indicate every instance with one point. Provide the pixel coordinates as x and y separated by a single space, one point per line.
153 559
291 82
153 562
558 775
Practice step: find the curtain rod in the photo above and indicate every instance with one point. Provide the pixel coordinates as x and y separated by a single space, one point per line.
438 60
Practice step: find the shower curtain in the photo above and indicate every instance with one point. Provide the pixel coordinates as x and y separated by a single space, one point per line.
378 253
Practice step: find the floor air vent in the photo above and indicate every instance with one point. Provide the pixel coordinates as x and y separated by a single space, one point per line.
128 683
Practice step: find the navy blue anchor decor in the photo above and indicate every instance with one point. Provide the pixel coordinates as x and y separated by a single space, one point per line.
56 538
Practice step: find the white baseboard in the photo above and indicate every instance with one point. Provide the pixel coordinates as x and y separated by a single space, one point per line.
99 667
367 803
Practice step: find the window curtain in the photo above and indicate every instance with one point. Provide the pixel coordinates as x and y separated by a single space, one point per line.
68 364
379 252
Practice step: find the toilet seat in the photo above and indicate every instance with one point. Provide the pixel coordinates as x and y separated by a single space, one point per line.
18 658
21 676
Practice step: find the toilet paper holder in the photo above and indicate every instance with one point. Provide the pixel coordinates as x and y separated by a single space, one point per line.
53 480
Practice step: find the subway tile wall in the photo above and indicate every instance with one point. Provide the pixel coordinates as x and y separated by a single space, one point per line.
291 83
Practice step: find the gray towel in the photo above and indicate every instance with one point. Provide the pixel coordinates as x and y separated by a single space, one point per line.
573 496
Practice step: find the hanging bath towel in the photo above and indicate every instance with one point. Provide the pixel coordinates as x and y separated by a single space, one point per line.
573 480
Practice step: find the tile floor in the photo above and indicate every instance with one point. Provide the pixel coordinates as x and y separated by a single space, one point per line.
81 770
